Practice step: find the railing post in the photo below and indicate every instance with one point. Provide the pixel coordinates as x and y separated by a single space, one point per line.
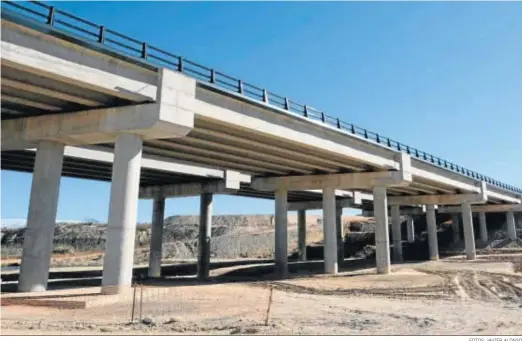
213 76
323 117
101 35
305 111
50 18
338 123
287 105
240 86
265 96
353 129
144 50
377 138
180 64
365 133
389 142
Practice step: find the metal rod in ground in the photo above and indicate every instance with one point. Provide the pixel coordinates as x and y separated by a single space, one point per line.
269 305
141 301
133 302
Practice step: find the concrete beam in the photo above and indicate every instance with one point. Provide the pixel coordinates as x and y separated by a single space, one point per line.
368 180
403 211
317 205
443 199
44 55
231 184
483 208
171 116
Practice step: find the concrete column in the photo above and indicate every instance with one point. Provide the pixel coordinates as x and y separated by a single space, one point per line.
281 231
156 237
329 231
469 238
205 233
340 235
382 241
41 218
301 234
455 224
410 229
121 229
511 230
483 227
396 233
431 222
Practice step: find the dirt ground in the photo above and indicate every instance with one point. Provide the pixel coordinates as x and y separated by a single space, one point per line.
451 296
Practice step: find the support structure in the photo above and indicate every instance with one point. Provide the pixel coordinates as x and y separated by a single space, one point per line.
511 229
410 229
301 234
382 241
469 238
156 238
396 233
205 232
340 236
483 227
455 225
41 219
121 229
330 231
281 232
432 232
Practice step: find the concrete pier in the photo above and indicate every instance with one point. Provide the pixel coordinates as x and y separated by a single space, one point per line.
455 224
41 219
483 227
121 229
469 238
396 233
301 234
281 233
511 228
382 241
156 237
205 233
330 231
340 235
432 232
410 229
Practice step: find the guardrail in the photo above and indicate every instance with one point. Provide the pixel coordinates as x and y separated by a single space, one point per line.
83 29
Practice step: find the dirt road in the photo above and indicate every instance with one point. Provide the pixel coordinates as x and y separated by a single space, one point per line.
445 297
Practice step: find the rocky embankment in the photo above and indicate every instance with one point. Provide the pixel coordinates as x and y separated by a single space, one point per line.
238 236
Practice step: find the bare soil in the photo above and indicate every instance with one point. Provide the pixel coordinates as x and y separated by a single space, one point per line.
453 296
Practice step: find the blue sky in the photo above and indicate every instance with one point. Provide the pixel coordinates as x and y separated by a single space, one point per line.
444 77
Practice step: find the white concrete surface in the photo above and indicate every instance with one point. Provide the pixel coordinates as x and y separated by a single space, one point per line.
121 229
205 234
511 227
41 219
396 233
410 229
329 231
382 240
156 237
281 233
469 234
301 234
483 227
431 223
172 116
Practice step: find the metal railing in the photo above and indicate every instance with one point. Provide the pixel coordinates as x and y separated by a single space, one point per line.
80 28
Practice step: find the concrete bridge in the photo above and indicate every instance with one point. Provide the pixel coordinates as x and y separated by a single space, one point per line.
79 99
